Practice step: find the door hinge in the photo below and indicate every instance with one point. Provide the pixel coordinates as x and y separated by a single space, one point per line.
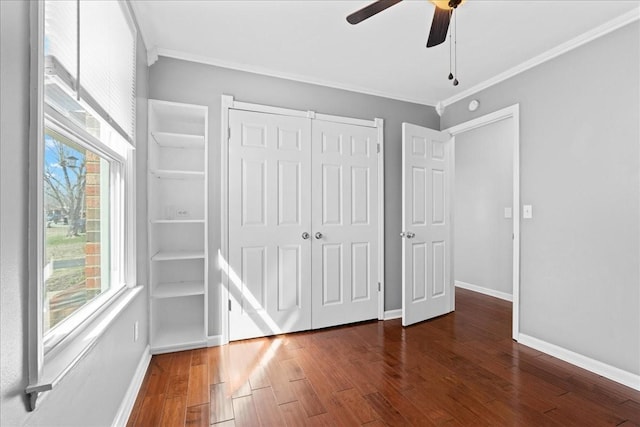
228 134
229 305
378 147
379 287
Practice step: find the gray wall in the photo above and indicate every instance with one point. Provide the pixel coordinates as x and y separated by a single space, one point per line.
580 167
181 81
93 391
483 188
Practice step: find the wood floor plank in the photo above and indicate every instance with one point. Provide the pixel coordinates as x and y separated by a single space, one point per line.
459 369
151 411
181 363
293 414
174 411
221 405
199 356
291 369
325 389
307 397
245 412
243 389
159 374
631 410
218 364
280 385
267 408
137 406
178 386
197 416
357 405
198 390
259 378
388 413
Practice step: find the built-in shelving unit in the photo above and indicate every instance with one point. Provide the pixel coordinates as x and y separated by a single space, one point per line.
177 206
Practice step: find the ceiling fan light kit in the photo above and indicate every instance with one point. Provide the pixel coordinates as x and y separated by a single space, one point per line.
442 14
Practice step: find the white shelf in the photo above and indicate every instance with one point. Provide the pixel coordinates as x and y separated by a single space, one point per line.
178 289
169 340
177 255
178 140
177 221
177 174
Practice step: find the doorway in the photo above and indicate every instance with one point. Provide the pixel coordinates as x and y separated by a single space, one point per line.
504 122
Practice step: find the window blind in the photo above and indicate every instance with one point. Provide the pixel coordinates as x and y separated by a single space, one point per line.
61 33
106 53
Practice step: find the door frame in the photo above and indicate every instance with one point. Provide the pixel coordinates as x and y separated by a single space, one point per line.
511 112
229 103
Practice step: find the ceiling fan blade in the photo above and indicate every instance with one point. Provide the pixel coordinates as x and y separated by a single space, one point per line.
370 10
439 27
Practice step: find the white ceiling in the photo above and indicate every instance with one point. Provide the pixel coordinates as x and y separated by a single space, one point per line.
310 40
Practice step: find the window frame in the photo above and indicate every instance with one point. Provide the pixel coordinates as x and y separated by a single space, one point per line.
65 329
50 359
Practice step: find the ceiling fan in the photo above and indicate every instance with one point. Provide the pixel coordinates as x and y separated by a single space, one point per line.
439 26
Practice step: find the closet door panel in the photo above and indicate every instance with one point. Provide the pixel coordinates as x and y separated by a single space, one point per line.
269 210
344 223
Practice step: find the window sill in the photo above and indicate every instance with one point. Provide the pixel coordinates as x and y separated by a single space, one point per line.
62 361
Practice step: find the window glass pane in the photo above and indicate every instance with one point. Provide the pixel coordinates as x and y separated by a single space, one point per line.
77 227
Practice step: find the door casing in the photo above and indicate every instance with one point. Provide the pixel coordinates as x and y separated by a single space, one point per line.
227 103
511 112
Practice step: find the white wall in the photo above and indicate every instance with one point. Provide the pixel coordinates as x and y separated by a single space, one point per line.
181 81
580 169
93 391
483 188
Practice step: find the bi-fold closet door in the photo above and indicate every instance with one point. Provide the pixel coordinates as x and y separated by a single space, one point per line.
303 223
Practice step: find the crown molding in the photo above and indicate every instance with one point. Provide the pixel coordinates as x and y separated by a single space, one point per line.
604 29
186 56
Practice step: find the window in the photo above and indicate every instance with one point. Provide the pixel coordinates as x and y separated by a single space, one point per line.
78 189
88 123
85 177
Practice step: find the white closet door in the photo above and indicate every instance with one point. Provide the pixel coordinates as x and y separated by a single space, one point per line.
427 288
345 223
269 210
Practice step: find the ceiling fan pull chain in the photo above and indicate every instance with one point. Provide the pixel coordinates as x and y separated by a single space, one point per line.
455 47
450 53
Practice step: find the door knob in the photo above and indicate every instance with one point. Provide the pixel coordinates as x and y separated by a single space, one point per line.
318 235
410 235
402 234
305 235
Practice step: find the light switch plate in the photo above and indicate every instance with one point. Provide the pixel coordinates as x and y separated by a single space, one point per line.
508 213
527 211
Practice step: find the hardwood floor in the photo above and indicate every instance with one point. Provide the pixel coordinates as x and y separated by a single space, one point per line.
458 369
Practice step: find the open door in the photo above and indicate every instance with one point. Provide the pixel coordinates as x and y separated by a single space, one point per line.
427 288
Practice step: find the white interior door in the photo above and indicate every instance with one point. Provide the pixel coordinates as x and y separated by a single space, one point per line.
269 214
427 288
344 223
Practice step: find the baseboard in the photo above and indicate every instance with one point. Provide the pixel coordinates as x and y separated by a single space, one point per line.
129 398
486 291
214 340
393 314
611 372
